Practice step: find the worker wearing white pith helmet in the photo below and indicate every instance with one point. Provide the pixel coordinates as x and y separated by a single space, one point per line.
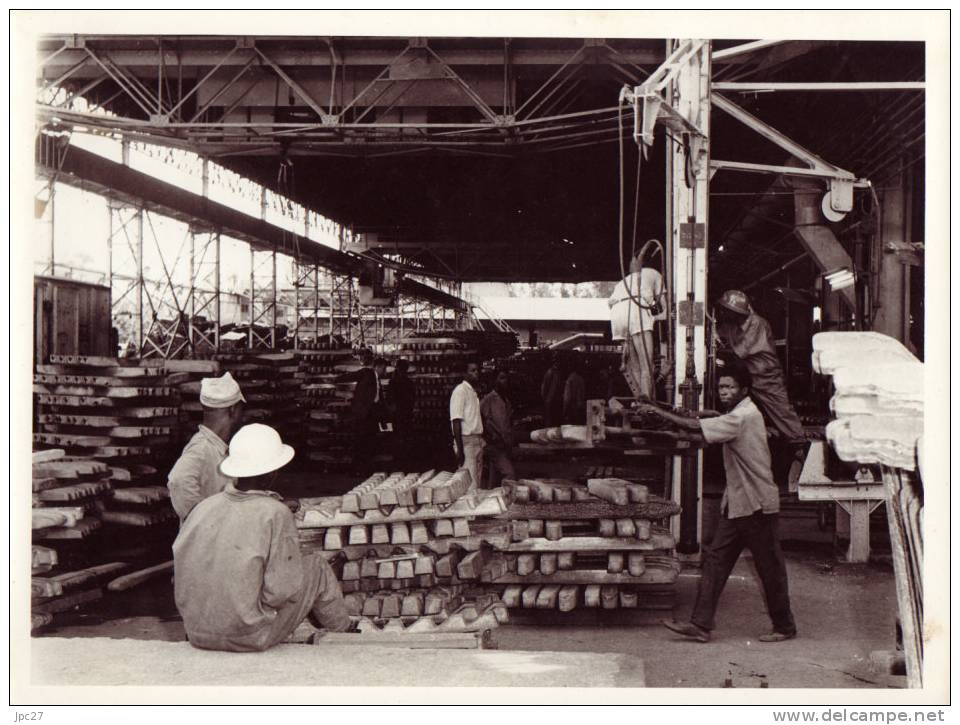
750 338
240 581
637 301
196 474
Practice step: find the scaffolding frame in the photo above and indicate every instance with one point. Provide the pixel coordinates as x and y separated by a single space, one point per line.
204 292
262 299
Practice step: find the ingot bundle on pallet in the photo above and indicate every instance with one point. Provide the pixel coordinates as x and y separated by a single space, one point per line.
879 408
102 409
67 563
602 545
117 424
404 550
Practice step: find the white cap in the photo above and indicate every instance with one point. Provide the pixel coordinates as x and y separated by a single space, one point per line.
254 450
220 392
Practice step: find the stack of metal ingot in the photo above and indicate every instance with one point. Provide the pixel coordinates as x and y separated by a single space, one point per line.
602 545
67 563
489 344
878 401
435 372
186 377
270 385
879 409
326 414
99 409
405 552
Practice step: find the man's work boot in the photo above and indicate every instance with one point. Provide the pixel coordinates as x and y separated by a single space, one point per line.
777 636
687 629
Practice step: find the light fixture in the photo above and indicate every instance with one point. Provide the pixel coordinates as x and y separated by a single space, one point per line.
720 248
840 279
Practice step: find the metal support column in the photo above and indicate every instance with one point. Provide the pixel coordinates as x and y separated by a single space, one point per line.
273 299
252 315
52 206
316 302
204 291
139 255
217 320
892 311
687 241
125 250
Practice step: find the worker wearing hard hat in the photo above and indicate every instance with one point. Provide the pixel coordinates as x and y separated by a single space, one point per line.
240 581
196 474
637 301
750 338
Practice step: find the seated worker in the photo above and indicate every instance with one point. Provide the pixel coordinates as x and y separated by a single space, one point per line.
240 582
749 510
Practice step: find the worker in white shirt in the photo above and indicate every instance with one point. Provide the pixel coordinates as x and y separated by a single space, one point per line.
467 424
637 301
196 474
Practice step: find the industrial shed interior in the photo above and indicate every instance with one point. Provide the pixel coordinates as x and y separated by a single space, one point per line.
281 208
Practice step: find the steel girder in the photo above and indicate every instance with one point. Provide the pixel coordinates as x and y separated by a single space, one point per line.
483 85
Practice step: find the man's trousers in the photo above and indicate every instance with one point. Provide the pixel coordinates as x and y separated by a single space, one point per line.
760 534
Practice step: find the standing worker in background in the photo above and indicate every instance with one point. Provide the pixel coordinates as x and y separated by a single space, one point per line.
749 510
240 581
402 397
196 474
467 424
750 338
637 300
497 416
551 393
575 395
365 408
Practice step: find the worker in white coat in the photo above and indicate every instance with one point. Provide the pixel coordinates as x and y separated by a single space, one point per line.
196 474
241 583
637 301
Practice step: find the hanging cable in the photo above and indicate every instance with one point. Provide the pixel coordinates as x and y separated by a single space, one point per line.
635 297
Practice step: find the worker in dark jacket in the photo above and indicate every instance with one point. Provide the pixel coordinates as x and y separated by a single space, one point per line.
402 398
749 337
551 393
365 408
497 415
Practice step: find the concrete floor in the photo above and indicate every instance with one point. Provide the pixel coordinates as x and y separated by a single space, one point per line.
844 612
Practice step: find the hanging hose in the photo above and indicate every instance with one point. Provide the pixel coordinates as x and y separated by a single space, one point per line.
635 298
